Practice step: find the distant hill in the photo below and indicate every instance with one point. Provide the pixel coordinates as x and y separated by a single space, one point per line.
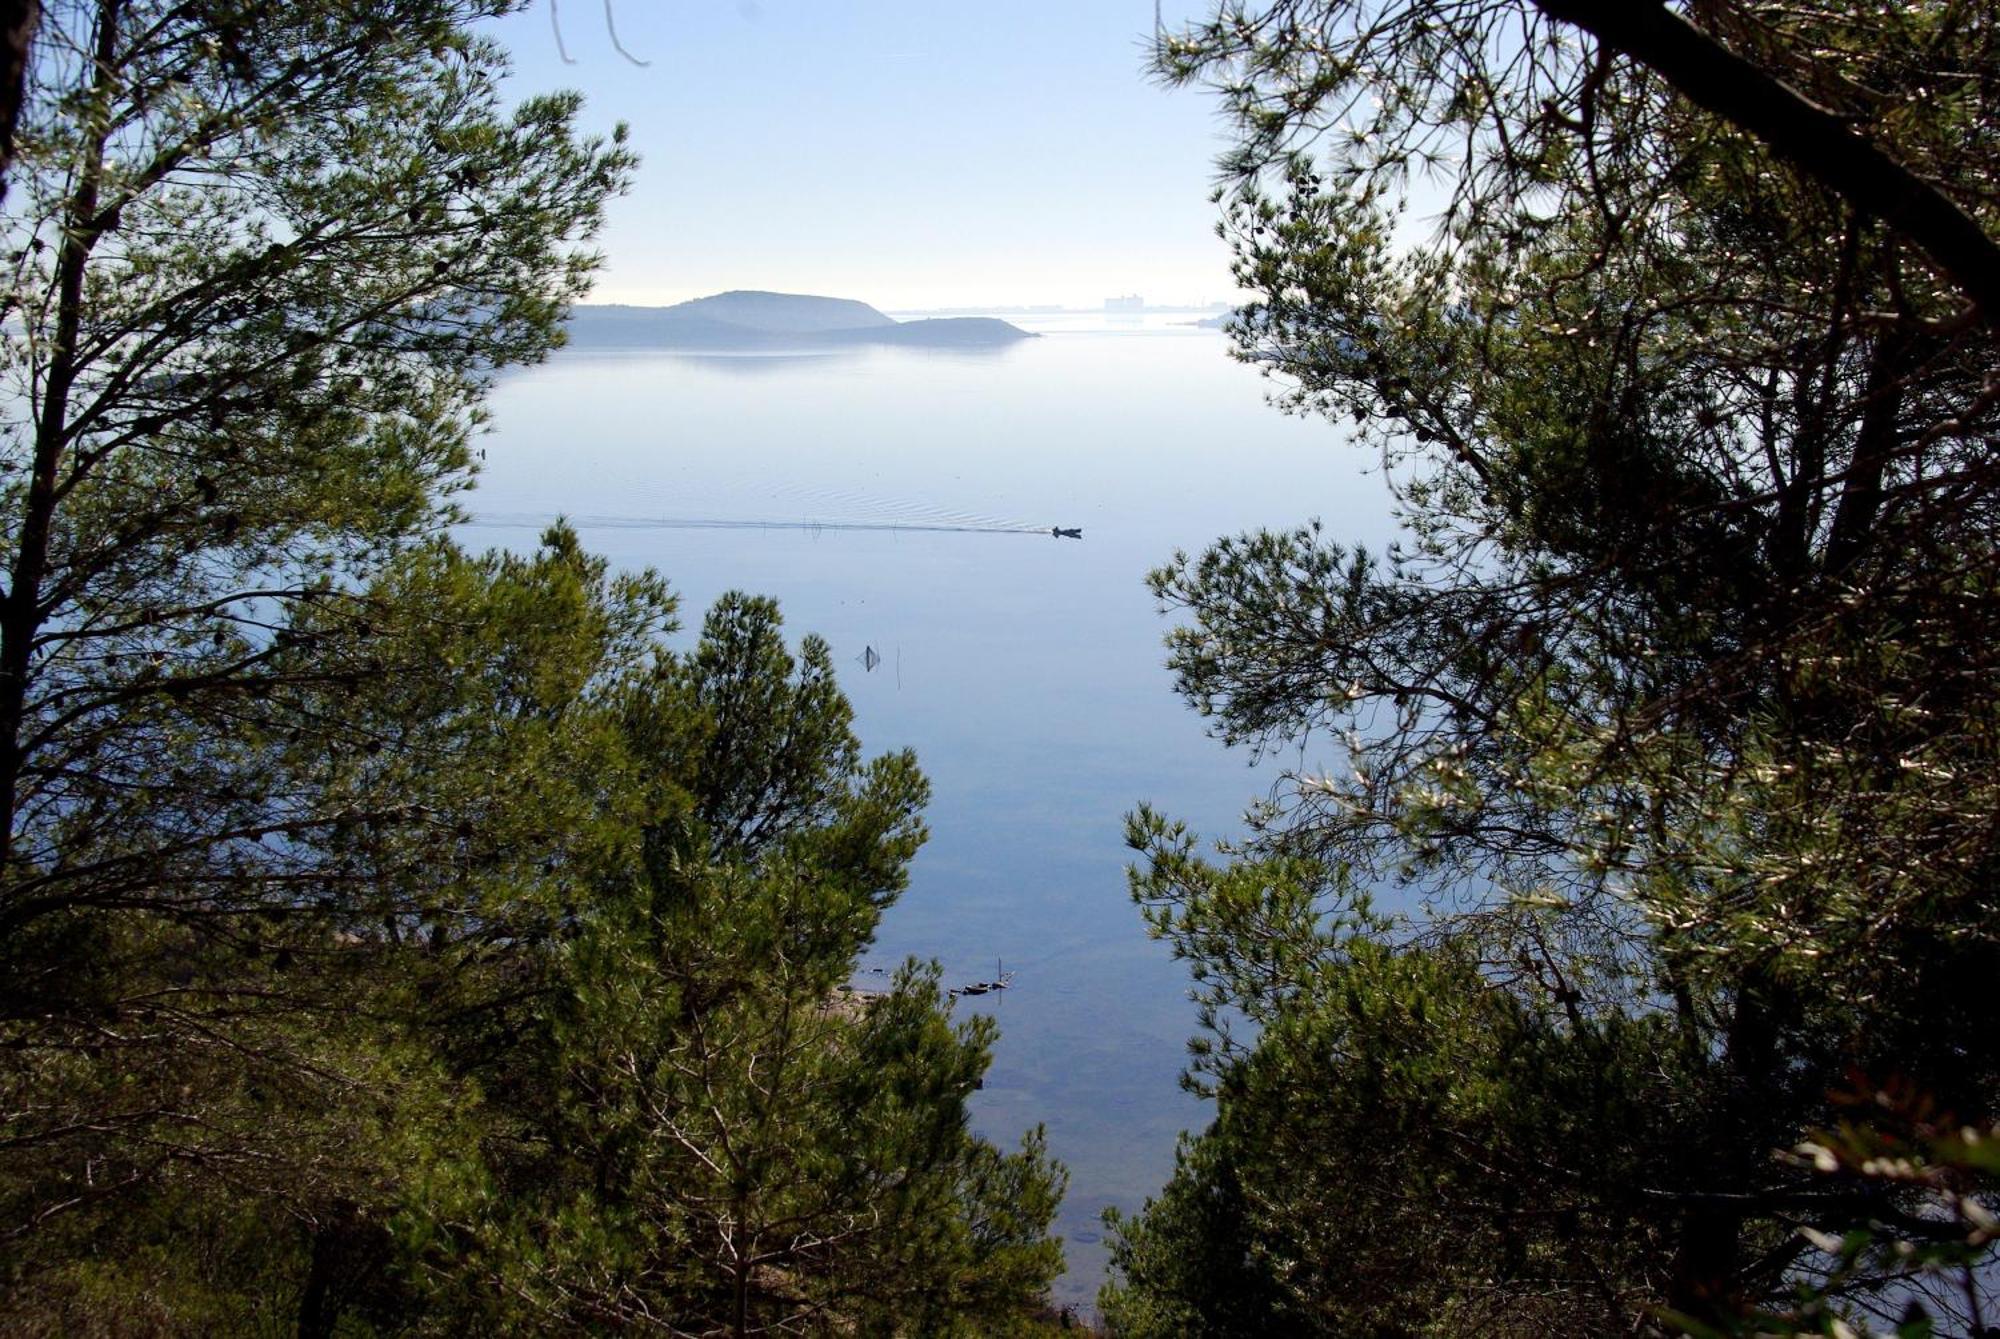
791 313
747 319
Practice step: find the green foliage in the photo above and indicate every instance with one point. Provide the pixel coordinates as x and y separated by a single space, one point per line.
720 1140
264 260
394 940
1400 1147
1675 705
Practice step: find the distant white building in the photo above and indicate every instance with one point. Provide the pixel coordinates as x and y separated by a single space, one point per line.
1130 303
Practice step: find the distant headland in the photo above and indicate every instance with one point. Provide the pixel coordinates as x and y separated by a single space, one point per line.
748 319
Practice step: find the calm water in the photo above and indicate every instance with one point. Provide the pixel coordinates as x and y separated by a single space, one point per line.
1024 670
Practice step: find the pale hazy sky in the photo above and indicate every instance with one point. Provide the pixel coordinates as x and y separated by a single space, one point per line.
910 153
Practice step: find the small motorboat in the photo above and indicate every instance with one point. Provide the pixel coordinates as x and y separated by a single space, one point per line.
1002 978
1061 533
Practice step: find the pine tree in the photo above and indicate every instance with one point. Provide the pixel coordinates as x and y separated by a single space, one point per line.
264 259
397 939
726 1139
1674 706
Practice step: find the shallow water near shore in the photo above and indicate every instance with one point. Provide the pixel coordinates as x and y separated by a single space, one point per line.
1025 670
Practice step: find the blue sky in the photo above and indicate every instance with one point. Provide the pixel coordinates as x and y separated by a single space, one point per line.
910 154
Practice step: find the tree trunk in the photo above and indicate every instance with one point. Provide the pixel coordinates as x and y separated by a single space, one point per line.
1707 1269
1874 447
18 20
21 614
318 1311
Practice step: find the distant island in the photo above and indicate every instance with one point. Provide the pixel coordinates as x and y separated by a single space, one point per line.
748 319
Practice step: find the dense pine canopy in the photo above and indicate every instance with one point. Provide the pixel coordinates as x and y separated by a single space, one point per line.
1674 710
395 939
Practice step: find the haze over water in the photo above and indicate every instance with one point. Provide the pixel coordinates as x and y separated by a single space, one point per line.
1025 671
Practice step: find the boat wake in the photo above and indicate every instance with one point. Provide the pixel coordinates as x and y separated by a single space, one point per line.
526 521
